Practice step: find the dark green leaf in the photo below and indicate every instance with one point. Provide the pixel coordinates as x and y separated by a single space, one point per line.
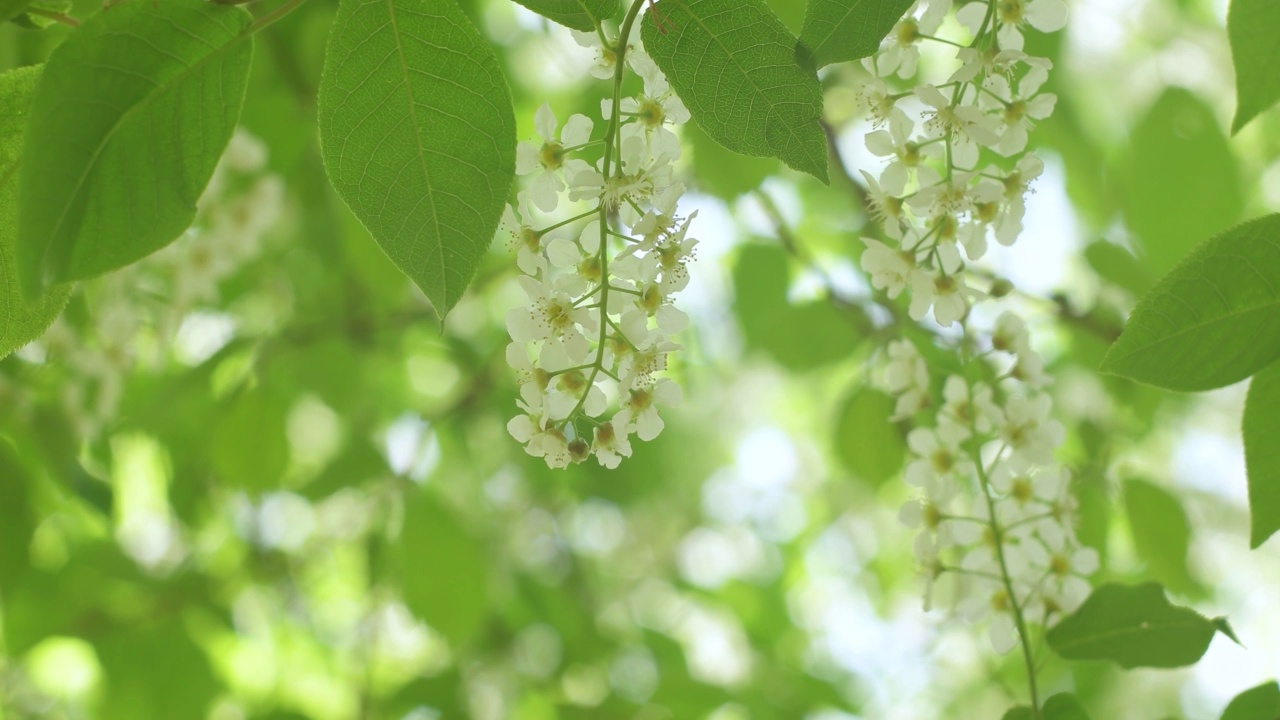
800 337
443 569
1063 706
1252 27
131 116
1018 712
1262 453
1214 320
1259 703
578 14
20 322
10 9
839 30
1134 626
1181 182
869 444
418 136
1161 533
733 64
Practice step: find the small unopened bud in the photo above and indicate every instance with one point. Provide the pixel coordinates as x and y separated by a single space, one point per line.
579 450
1000 288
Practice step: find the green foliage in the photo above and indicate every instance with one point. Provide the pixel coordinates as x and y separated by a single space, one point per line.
1064 706
1117 265
1262 454
800 337
733 64
722 173
1161 533
10 9
1214 320
577 14
250 448
123 136
1259 703
1133 626
867 442
839 30
443 568
20 322
1252 27
1181 180
418 136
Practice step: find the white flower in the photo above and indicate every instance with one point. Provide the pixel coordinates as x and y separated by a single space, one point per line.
907 376
610 447
948 295
908 156
939 460
640 413
899 52
547 160
890 269
1028 429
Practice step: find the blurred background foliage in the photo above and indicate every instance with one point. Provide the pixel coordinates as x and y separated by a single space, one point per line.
253 477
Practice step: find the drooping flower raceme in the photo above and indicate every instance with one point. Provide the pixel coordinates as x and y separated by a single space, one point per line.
993 509
603 250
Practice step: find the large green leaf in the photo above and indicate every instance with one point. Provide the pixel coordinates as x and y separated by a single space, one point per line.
418 136
1214 320
1252 27
20 322
839 30
1262 453
1064 706
442 568
723 173
1134 626
10 9
1259 703
870 446
578 14
1181 183
1161 533
131 116
733 63
250 444
800 337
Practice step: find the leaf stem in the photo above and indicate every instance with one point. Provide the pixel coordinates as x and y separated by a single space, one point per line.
54 16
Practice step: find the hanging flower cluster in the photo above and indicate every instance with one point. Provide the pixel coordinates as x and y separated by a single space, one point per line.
994 511
590 344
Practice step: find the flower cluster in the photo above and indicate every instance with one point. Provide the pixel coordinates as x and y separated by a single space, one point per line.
937 198
603 249
993 510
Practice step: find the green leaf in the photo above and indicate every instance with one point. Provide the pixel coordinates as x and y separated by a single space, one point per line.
418 136
1063 706
1117 265
250 445
1181 182
1262 454
839 30
10 9
442 568
800 337
867 442
131 116
1252 28
577 14
1259 703
722 173
1018 712
20 322
1161 533
1133 626
1213 321
733 64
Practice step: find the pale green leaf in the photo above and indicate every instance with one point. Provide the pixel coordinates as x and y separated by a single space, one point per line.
733 64
250 446
723 173
131 116
1117 265
1252 28
1181 180
418 136
1133 626
839 30
868 443
577 14
1161 533
442 567
1259 703
1262 453
20 322
1214 320
802 336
